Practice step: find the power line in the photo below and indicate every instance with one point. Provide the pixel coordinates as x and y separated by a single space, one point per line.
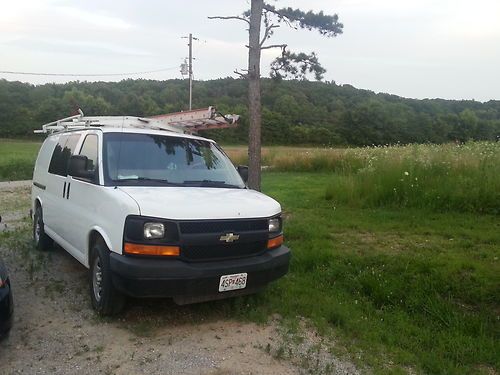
86 74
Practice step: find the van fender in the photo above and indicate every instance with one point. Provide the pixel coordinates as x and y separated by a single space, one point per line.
34 204
39 199
103 235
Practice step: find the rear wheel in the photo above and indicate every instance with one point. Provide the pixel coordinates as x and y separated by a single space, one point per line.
106 299
42 241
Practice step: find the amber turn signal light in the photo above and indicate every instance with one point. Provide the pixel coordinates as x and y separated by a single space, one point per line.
135 249
275 242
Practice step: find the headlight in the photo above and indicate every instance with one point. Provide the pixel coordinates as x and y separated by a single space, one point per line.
154 231
274 224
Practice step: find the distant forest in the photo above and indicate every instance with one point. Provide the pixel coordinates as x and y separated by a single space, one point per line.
294 112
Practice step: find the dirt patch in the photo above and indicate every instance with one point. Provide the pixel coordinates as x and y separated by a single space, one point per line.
14 204
57 332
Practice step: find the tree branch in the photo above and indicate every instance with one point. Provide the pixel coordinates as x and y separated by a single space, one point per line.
296 66
242 75
229 18
282 46
268 32
281 16
326 25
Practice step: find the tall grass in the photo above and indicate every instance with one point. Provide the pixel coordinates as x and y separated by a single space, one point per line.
456 178
298 159
440 177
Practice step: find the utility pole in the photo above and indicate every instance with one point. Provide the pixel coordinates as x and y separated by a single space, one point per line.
190 68
190 71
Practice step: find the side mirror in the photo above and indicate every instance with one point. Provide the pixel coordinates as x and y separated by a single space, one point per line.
77 168
243 171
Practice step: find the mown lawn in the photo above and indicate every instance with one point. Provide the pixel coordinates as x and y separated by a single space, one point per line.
17 159
414 288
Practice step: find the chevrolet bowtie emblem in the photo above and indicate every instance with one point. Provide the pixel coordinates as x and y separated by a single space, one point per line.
229 237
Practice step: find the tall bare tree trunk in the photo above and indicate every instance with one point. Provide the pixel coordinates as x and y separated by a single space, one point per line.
254 103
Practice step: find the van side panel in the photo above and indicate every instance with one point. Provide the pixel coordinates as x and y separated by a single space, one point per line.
98 208
40 175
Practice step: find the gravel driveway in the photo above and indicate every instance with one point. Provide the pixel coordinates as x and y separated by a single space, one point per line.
56 331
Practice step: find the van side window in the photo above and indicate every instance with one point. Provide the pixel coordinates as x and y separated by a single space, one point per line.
60 158
89 149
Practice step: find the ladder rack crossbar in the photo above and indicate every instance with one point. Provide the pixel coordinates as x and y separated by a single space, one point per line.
178 122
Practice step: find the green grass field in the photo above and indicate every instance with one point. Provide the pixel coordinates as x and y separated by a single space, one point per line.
395 252
463 178
17 159
412 287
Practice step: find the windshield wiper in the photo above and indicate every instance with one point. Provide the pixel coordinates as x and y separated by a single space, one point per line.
210 183
162 181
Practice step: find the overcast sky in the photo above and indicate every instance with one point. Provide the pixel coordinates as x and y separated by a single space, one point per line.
414 48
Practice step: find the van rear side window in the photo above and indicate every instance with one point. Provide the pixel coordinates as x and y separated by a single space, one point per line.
89 149
62 152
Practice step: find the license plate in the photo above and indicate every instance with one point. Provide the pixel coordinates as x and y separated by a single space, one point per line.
232 282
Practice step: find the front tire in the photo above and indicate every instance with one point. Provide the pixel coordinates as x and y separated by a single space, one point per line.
106 299
42 241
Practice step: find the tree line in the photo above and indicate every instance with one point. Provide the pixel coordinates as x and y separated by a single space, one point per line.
293 112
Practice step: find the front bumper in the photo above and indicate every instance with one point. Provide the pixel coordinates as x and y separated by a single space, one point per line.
6 309
197 281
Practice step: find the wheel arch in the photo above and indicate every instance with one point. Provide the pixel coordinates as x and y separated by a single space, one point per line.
94 235
37 202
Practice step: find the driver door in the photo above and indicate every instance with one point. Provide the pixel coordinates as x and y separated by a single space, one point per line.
83 198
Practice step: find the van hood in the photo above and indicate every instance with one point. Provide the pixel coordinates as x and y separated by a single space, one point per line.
188 203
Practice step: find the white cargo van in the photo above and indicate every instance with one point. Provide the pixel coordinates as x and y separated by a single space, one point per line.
153 212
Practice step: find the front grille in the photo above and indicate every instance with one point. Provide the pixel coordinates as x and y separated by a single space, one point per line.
200 240
220 226
227 251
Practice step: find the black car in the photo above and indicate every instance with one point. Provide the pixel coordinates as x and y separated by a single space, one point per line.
6 303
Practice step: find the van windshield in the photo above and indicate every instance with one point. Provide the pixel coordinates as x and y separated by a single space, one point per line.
157 160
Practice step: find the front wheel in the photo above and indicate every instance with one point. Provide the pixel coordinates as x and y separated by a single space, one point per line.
42 241
106 299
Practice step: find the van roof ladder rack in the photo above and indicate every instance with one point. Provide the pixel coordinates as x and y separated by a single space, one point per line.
179 122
